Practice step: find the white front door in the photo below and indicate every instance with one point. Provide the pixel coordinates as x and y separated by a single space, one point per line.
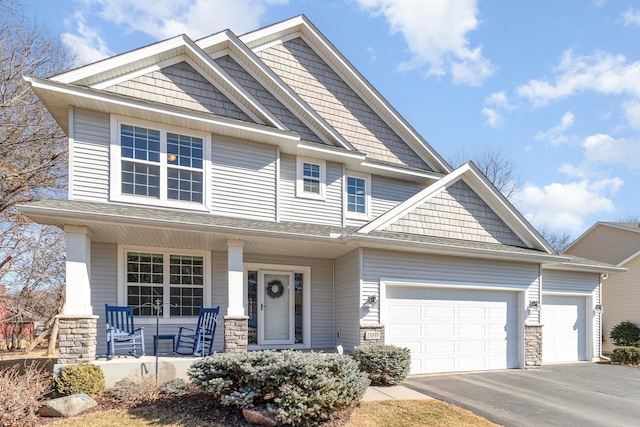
276 308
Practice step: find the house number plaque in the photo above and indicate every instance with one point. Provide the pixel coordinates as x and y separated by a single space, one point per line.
372 335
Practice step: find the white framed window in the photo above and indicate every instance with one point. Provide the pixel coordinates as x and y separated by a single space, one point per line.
178 279
357 198
158 165
311 178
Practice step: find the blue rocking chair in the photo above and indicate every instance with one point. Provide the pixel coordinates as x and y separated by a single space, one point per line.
121 333
199 341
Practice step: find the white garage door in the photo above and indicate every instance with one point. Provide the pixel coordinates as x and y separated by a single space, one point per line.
564 335
453 330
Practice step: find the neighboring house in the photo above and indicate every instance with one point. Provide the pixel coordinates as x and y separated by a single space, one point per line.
264 174
9 322
616 243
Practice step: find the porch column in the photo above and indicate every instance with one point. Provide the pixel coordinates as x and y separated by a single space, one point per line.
77 325
236 324
78 271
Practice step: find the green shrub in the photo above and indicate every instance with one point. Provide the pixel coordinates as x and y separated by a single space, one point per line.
299 388
74 379
385 364
625 334
175 387
135 389
628 355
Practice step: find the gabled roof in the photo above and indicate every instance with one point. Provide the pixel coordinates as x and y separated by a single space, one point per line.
469 174
300 26
633 230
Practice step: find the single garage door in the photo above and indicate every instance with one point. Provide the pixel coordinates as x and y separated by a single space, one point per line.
564 330
454 330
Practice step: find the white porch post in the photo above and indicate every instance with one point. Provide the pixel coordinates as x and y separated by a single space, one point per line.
78 271
77 325
236 278
236 328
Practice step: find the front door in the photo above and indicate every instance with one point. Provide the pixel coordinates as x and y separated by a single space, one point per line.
276 308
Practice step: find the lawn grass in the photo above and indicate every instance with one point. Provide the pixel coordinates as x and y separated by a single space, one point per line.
406 413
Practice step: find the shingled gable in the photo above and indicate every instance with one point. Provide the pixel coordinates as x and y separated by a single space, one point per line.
466 197
394 140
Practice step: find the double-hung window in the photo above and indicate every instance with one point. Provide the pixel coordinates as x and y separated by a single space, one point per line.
175 280
357 197
311 178
165 167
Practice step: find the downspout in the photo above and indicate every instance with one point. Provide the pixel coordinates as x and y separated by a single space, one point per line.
333 291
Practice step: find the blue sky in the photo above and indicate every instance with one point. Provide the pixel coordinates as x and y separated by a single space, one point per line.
554 84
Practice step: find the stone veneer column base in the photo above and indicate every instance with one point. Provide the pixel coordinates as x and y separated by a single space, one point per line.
236 334
77 335
532 346
375 334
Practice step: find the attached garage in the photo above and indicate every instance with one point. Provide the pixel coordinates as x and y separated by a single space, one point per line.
450 329
564 330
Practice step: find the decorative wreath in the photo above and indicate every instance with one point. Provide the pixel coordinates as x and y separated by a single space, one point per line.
275 289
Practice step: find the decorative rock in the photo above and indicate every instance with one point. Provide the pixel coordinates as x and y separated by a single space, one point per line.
260 416
68 406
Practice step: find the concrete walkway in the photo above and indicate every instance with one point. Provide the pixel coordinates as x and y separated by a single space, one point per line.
396 392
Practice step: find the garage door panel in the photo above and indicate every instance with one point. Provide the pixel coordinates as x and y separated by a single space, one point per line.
462 330
405 311
564 329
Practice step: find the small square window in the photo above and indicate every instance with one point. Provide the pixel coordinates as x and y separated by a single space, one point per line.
310 181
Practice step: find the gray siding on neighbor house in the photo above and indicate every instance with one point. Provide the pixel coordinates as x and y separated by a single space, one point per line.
335 101
266 98
347 299
321 293
299 209
444 270
243 180
458 213
181 85
89 162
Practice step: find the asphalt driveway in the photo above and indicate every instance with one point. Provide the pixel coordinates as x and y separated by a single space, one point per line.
581 394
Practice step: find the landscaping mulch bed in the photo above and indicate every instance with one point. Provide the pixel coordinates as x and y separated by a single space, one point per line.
193 405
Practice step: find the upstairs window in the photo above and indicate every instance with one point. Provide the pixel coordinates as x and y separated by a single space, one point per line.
164 167
357 197
310 182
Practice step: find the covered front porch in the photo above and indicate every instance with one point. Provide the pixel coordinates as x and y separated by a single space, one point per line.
275 283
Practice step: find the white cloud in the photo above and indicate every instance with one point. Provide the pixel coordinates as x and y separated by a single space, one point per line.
495 105
492 117
565 206
87 45
631 17
436 33
555 135
632 112
601 72
603 148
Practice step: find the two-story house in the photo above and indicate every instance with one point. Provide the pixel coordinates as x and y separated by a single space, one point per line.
265 175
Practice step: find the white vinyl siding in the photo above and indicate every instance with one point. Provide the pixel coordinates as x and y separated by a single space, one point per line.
347 298
296 209
89 156
442 270
321 293
243 180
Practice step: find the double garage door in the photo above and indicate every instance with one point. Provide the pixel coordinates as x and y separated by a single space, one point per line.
454 330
